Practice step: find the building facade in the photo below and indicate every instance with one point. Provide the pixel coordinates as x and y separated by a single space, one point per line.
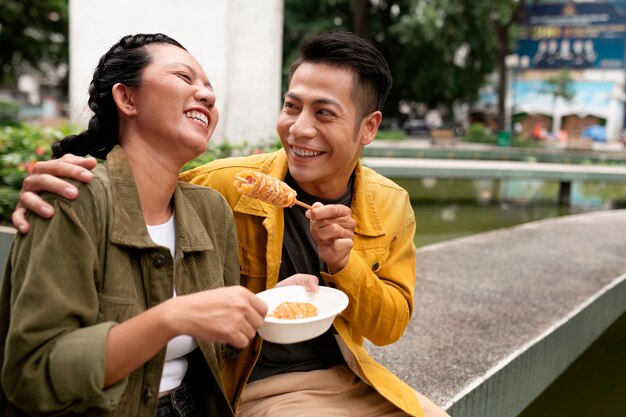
584 42
238 42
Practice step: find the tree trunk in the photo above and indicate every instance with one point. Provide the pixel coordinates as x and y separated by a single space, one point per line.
503 50
361 18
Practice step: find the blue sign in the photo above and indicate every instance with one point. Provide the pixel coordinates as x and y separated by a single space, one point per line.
574 53
577 14
575 35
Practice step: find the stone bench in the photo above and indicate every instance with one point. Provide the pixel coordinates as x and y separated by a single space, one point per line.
499 315
443 137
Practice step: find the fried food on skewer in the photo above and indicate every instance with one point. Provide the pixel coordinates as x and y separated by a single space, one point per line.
266 188
294 310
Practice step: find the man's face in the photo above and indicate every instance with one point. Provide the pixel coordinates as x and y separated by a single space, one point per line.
319 130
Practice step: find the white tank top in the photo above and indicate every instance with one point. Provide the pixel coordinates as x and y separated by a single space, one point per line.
175 361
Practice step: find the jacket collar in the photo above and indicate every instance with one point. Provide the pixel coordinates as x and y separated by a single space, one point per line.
128 225
362 199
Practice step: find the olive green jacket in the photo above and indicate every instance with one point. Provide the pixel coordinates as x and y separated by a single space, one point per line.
379 278
73 277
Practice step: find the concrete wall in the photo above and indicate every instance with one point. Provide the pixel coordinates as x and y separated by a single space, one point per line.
238 42
6 237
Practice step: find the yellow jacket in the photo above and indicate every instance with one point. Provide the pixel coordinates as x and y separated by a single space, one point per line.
379 278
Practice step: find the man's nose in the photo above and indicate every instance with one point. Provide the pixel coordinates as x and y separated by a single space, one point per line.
303 126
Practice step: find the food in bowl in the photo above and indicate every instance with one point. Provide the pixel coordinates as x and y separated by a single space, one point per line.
293 310
329 303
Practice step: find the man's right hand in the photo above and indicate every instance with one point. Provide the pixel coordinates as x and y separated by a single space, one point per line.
45 177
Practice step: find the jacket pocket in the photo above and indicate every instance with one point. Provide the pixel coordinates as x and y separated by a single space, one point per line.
117 309
374 256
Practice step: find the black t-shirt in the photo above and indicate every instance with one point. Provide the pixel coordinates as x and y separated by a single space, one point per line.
300 256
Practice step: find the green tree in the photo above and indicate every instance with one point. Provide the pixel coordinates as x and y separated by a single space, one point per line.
506 18
33 38
439 52
559 86
442 51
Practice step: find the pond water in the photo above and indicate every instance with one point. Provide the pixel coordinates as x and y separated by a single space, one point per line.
595 384
447 209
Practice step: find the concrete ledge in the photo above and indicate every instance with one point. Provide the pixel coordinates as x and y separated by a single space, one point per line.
477 170
6 237
499 315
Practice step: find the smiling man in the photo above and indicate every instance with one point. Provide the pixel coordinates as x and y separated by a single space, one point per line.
358 238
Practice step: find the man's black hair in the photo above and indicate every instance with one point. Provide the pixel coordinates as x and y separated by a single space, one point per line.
349 51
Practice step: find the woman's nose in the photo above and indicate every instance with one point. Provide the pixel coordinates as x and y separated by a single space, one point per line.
206 95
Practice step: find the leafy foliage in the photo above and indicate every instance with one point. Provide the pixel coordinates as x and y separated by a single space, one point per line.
559 85
20 147
439 52
9 112
33 35
443 52
391 134
478 133
226 150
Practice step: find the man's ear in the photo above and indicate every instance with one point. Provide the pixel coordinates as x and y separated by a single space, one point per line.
369 127
124 98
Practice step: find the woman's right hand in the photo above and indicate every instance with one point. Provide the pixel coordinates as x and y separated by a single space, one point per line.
45 177
228 314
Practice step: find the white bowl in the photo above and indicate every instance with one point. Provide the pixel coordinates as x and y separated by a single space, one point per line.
329 303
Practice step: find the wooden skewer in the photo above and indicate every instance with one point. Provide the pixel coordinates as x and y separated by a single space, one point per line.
301 204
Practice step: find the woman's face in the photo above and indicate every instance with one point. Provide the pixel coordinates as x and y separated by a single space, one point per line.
175 111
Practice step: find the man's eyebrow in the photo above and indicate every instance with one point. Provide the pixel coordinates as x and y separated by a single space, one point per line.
322 100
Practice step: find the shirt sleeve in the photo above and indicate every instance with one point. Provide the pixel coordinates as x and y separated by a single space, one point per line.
55 349
381 288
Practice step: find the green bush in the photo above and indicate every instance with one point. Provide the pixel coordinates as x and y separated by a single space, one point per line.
23 145
9 112
226 150
20 147
520 142
390 134
478 133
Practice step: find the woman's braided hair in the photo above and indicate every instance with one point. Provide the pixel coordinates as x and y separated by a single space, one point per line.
123 63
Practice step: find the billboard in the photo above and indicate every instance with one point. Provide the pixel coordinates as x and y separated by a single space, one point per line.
575 35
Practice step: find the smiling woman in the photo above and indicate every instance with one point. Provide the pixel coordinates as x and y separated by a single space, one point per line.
146 295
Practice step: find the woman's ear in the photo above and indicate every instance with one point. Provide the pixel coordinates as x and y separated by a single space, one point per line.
369 127
124 99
